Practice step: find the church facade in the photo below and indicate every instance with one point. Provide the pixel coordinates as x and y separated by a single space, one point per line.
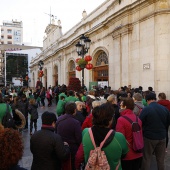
130 45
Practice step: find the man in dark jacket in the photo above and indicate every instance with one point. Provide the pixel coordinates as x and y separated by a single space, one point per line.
47 148
155 120
70 129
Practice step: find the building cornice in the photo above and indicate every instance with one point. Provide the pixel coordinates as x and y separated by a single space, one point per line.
122 28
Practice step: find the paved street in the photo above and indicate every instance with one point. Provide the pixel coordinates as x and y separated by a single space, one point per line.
27 156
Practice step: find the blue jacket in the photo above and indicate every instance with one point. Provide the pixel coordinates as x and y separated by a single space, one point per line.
155 121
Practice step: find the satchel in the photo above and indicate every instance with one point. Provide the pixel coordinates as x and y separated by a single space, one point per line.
7 120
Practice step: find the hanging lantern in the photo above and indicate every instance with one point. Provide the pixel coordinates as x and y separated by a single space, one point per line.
41 72
78 68
89 66
77 60
40 75
88 58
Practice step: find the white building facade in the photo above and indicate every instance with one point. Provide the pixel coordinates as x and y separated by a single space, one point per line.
12 32
130 44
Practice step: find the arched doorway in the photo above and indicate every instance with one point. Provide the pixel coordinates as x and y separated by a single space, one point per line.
100 70
55 76
71 69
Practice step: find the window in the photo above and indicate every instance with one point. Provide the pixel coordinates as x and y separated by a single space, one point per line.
9 31
2 37
102 59
9 42
102 73
2 42
18 32
9 36
72 66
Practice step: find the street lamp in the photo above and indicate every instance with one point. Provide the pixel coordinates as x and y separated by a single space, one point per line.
82 48
40 65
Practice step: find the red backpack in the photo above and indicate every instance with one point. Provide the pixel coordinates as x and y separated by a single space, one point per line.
138 143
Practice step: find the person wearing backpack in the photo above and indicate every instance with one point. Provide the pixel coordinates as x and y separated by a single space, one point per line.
133 159
112 145
137 97
6 118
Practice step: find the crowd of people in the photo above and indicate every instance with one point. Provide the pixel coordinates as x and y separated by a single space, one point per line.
82 121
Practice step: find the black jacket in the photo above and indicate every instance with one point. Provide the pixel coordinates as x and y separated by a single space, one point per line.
32 109
17 167
48 150
155 121
23 107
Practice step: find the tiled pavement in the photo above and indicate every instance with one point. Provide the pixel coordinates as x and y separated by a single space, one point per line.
26 160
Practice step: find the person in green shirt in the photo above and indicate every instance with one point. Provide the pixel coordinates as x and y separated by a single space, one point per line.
62 94
60 106
3 109
115 148
71 97
83 96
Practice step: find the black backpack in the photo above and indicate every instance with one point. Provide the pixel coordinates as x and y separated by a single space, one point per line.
7 120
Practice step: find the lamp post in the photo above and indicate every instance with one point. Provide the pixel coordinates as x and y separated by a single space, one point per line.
40 65
82 48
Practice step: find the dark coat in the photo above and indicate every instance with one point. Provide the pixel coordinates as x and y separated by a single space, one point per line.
155 121
48 150
70 130
32 109
23 107
17 167
80 117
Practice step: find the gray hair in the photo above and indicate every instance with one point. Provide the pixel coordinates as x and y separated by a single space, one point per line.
96 103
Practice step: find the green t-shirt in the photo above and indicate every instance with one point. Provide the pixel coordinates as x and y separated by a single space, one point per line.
62 94
83 98
60 107
113 151
71 99
144 102
3 107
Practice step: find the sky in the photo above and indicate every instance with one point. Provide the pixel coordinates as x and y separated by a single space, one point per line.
35 15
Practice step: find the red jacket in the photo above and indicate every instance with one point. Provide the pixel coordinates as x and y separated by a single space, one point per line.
87 122
165 103
125 128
